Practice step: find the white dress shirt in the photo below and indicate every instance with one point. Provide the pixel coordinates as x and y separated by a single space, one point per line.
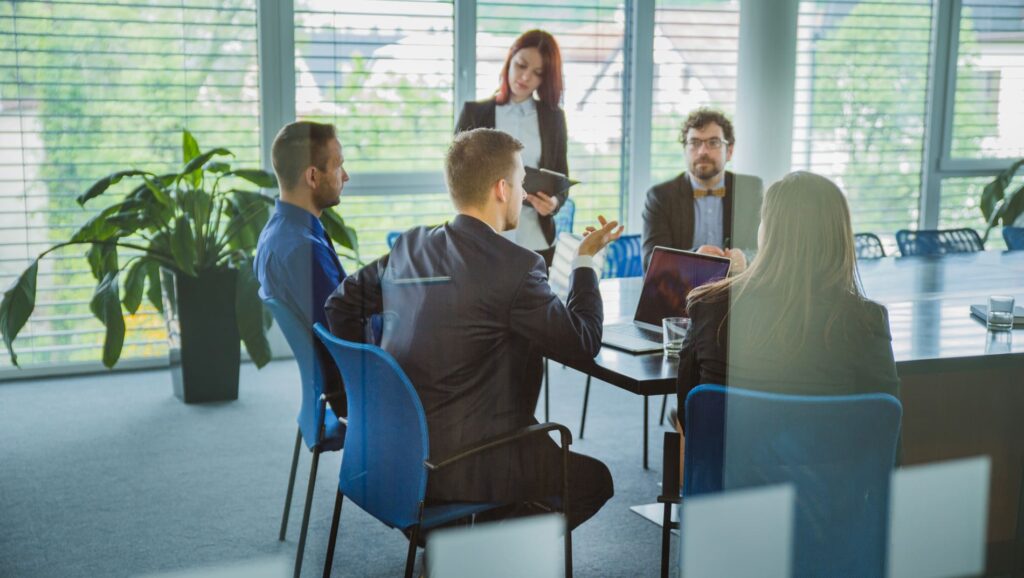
520 121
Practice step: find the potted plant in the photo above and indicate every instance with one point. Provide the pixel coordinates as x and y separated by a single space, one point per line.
999 207
188 239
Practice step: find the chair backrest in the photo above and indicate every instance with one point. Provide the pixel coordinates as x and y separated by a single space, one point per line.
837 451
300 338
1014 237
938 241
386 443
564 217
623 258
868 246
392 237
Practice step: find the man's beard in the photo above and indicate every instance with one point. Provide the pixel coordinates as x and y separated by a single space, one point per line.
325 198
706 173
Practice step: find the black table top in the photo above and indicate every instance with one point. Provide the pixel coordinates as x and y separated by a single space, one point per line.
928 298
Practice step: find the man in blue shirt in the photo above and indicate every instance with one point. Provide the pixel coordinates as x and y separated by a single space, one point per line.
295 261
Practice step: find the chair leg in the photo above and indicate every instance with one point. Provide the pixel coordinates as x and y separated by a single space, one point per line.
305 513
547 391
329 561
410 558
586 398
646 426
565 510
664 404
666 537
291 487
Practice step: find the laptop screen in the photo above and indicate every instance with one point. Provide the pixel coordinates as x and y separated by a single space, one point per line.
669 279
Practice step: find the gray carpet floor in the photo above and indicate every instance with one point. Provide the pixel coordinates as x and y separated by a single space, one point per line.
111 475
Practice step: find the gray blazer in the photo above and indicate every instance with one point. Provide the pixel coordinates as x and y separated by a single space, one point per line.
468 315
668 214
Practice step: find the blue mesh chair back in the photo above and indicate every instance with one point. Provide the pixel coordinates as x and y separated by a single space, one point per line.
868 246
623 258
392 237
564 217
1014 237
938 241
837 451
311 413
382 470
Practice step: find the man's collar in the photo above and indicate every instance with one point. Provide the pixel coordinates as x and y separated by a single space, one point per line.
695 185
471 223
299 216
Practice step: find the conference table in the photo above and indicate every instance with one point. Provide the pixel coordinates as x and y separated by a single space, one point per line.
962 387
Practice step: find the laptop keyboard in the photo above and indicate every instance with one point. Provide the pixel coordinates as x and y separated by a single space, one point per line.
630 330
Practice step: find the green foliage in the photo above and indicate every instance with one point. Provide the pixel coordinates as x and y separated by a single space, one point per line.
998 207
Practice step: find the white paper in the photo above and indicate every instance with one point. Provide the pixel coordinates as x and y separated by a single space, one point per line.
531 546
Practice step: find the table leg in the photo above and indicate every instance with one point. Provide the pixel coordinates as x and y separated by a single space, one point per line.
646 417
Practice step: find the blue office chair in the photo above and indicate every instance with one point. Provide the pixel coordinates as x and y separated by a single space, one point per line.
387 452
868 246
1014 237
392 238
938 241
318 426
622 258
564 217
837 451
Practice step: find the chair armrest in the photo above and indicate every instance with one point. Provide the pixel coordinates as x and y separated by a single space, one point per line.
670 470
541 428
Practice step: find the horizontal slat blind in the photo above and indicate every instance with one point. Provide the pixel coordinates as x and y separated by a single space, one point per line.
590 34
859 112
88 88
696 45
382 73
989 105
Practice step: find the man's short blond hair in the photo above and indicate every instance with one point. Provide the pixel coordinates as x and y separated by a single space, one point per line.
476 160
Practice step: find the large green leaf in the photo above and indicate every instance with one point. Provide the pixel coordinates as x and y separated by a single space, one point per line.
106 306
154 292
134 282
98 228
1012 208
189 146
17 305
995 191
197 163
199 205
218 167
249 314
258 177
102 259
100 186
155 189
338 231
183 246
248 214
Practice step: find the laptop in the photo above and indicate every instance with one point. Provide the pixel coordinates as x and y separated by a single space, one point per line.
669 279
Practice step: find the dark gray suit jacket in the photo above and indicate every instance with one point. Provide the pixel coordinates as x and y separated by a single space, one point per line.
669 220
467 315
554 144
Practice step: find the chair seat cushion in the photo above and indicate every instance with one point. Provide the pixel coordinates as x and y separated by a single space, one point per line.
436 515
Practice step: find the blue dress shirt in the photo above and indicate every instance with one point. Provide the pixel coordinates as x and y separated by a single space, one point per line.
707 217
296 263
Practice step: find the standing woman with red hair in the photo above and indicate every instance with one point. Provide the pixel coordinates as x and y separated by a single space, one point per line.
533 67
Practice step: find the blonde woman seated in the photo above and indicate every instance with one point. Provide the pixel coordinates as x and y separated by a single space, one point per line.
795 320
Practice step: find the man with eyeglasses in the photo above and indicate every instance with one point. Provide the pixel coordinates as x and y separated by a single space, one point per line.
705 208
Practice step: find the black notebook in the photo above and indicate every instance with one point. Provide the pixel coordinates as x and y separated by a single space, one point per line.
545 181
981 312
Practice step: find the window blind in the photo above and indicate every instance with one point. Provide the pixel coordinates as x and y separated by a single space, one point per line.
383 73
860 101
590 35
696 47
989 98
88 88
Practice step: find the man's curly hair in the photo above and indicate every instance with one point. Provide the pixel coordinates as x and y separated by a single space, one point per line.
701 117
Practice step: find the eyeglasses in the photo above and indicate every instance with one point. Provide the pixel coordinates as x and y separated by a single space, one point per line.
714 144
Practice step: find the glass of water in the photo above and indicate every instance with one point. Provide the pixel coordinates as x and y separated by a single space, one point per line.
1000 313
673 331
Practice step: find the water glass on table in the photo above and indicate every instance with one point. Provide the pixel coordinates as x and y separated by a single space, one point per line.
1000 313
673 331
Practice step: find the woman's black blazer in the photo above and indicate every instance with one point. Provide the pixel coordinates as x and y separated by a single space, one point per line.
554 139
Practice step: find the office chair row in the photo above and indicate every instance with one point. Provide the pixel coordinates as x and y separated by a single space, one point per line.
931 242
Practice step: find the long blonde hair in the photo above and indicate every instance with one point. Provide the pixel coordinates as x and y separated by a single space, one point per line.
806 250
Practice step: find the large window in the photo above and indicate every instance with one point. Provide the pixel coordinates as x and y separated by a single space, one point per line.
87 88
696 48
590 34
860 104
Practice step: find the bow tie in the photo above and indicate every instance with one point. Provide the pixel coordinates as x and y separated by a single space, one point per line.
720 192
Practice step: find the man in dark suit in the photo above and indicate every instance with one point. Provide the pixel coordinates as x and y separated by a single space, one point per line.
468 314
706 208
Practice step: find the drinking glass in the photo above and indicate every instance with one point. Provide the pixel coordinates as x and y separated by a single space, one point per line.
673 331
1000 313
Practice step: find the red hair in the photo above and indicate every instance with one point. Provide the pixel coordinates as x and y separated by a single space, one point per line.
550 89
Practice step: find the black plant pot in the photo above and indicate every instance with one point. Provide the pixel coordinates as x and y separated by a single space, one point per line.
204 342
